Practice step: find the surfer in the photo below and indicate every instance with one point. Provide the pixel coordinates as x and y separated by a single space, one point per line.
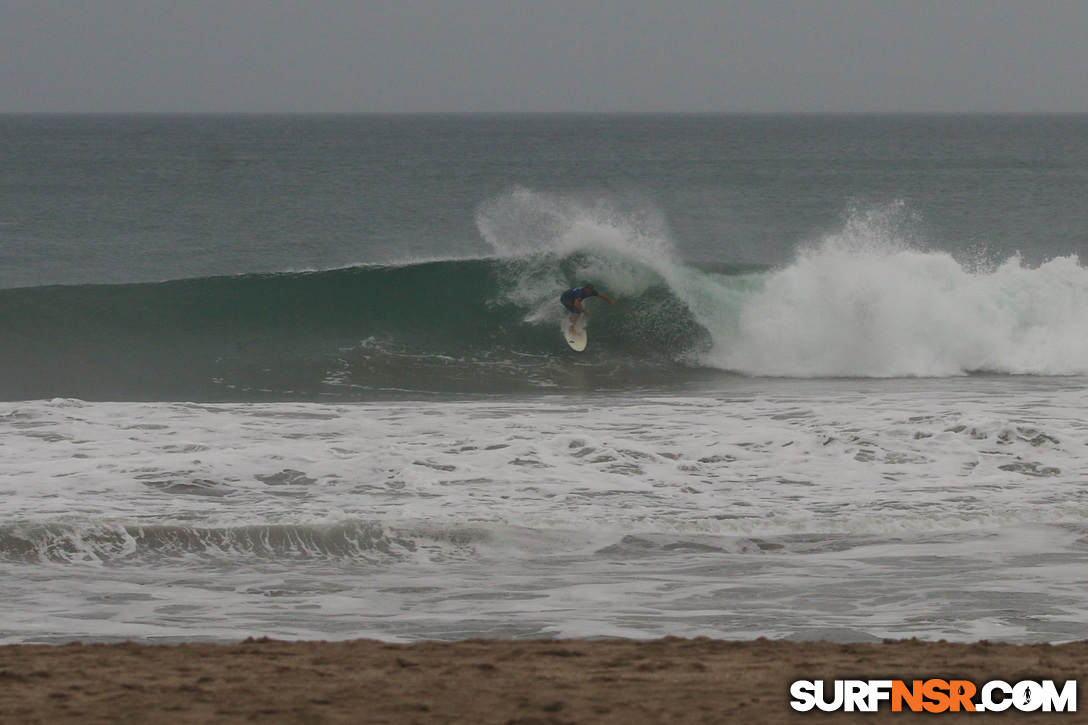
572 300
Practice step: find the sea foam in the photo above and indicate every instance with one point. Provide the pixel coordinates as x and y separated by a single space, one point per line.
864 303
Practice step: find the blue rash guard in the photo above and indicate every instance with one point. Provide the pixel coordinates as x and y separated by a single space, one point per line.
578 293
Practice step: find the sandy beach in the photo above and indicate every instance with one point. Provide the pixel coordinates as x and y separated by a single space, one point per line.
493 681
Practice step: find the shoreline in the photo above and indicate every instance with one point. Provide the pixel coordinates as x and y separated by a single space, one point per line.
670 680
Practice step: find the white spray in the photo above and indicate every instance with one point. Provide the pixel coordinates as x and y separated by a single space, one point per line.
867 301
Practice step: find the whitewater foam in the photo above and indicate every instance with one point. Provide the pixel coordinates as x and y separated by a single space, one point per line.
893 312
665 465
729 514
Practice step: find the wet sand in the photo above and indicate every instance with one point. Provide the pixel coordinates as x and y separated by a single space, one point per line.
495 681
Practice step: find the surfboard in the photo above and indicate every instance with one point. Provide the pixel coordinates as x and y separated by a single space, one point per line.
578 340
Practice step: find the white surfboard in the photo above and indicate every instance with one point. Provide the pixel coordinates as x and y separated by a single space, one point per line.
577 340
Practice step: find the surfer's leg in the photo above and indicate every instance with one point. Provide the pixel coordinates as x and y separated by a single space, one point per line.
575 314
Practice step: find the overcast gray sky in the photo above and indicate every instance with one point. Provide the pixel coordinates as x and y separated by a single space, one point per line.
543 55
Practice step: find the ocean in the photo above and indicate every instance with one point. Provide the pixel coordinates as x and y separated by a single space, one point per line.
304 377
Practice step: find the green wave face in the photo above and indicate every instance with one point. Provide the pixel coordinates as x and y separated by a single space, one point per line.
353 333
